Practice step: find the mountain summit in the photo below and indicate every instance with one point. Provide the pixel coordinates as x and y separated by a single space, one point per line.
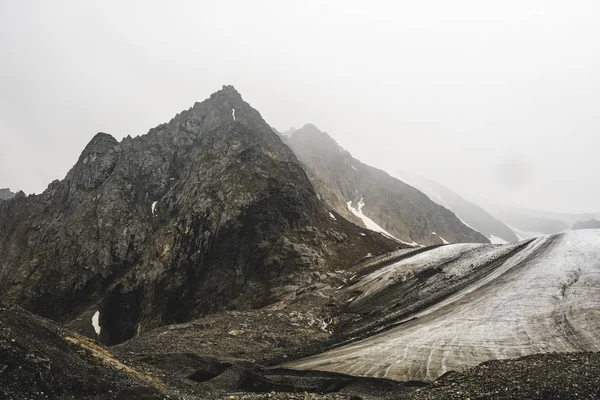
372 198
207 211
6 194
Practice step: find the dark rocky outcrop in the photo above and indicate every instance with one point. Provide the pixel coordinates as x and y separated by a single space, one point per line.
541 377
400 209
209 211
40 360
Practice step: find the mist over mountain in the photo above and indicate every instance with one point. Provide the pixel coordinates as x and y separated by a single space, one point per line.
432 234
589 224
530 220
470 213
207 211
215 255
373 198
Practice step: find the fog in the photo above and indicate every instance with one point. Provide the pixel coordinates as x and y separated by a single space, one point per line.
497 100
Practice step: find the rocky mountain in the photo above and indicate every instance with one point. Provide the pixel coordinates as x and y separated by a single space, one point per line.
470 213
208 211
589 224
6 194
373 198
215 268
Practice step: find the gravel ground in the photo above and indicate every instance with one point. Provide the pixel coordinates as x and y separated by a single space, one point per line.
289 396
542 376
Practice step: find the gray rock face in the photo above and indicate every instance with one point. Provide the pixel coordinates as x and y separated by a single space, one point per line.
210 210
6 194
400 209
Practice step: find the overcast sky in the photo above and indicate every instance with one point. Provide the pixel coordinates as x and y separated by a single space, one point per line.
499 100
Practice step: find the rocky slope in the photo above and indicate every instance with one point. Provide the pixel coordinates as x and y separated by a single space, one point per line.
6 194
373 198
470 213
209 211
40 360
540 377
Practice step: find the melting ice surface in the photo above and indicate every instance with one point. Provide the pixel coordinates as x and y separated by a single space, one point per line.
543 296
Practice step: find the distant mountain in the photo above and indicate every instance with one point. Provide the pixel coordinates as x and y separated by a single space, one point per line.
470 213
6 194
529 220
208 211
370 196
589 224
567 218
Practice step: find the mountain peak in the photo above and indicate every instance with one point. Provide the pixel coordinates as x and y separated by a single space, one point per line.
311 137
227 91
6 194
311 128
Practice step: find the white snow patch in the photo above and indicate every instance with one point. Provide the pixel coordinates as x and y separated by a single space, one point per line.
443 240
354 168
233 113
154 207
332 216
497 240
96 322
370 224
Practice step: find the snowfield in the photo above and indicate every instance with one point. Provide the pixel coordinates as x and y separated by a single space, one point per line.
533 297
372 225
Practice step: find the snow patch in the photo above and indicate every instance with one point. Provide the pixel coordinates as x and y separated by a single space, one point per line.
154 207
354 168
233 113
370 224
332 216
497 240
443 240
96 322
